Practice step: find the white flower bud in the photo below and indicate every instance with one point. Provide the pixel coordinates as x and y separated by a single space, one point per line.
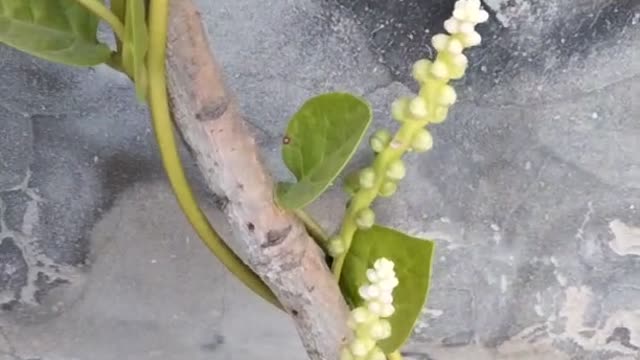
376 354
368 292
439 41
422 141
474 3
418 108
440 69
452 26
386 310
455 46
372 275
460 13
375 307
367 178
336 246
482 16
466 27
460 60
383 266
400 108
380 329
360 315
421 70
388 284
388 188
379 140
386 298
396 170
447 95
365 218
360 347
472 39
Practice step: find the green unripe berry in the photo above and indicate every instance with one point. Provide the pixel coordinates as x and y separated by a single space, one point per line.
360 315
440 114
352 183
400 109
376 354
396 170
440 70
418 108
447 95
421 70
380 140
380 329
367 178
422 141
363 331
345 354
365 218
336 246
361 347
388 188
457 65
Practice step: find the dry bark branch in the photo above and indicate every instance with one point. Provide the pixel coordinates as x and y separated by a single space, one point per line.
274 243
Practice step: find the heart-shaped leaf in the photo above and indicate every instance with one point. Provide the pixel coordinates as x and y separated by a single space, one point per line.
412 257
136 45
320 139
61 31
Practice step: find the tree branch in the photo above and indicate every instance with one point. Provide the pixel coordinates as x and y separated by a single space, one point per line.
272 242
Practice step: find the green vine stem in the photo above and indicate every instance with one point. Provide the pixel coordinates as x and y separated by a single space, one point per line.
364 197
158 103
103 12
118 9
313 228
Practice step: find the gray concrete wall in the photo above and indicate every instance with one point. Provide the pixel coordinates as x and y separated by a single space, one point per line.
532 191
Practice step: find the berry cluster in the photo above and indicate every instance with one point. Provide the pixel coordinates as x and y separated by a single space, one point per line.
368 321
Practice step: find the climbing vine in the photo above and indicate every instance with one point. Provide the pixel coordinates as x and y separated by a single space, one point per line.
383 273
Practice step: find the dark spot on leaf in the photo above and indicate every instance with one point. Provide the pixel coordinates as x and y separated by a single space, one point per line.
286 140
294 312
251 227
275 237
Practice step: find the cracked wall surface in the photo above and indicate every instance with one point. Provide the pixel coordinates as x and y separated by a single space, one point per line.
532 190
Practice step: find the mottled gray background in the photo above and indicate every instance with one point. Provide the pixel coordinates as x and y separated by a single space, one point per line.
532 191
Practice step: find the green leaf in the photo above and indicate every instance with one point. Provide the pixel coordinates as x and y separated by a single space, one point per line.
61 31
320 139
412 257
136 46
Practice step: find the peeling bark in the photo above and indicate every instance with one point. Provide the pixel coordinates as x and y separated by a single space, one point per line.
274 243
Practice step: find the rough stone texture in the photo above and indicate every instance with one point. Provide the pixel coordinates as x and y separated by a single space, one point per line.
532 190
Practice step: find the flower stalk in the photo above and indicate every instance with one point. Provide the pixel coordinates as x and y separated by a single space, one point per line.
430 106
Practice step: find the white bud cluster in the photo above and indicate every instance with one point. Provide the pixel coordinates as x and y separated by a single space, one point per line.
466 15
461 27
368 321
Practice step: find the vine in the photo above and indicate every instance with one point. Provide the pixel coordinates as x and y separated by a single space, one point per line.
375 266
